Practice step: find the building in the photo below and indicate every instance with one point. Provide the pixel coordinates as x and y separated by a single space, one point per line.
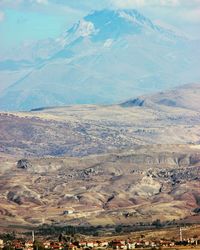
83 244
1 243
68 212
29 245
46 244
103 244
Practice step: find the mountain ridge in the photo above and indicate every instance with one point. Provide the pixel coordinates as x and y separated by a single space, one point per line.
149 101
179 97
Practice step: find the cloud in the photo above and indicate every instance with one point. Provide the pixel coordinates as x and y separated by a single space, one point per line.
192 15
105 3
127 3
141 3
2 16
18 3
170 2
42 1
155 3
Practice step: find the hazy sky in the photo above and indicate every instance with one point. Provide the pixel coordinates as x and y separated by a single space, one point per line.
31 20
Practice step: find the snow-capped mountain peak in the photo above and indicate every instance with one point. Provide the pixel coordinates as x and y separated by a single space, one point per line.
107 25
106 57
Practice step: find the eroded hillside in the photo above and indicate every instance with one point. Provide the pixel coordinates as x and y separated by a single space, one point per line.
128 163
136 186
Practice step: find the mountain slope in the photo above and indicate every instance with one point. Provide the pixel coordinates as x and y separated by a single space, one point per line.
107 57
186 96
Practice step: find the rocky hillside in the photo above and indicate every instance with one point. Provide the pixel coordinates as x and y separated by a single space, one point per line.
140 185
89 129
129 163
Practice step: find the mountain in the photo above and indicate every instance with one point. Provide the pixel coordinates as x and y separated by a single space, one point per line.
107 57
110 164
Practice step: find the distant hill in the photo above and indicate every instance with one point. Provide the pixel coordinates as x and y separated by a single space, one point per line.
185 96
170 117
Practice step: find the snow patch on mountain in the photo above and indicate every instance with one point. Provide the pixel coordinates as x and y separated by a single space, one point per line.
108 43
135 18
85 28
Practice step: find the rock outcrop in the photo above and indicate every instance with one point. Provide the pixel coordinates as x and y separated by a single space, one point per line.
24 164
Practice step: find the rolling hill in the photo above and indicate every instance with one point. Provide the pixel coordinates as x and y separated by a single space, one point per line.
186 96
170 117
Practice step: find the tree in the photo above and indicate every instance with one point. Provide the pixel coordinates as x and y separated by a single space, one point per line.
37 245
118 229
157 223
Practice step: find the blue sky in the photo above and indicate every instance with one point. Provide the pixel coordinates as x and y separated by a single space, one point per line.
32 20
26 25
